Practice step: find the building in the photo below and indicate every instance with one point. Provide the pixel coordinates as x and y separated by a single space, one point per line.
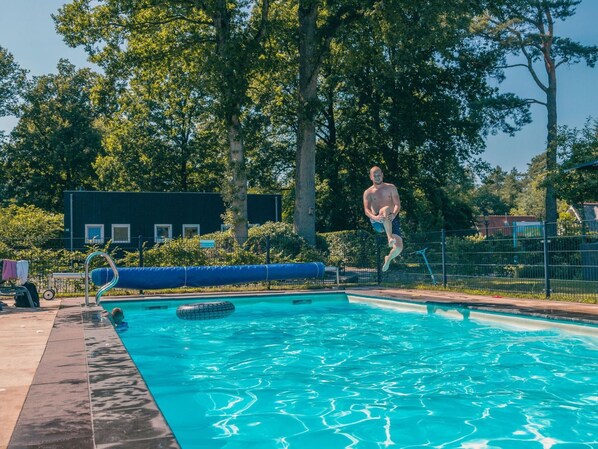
589 215
489 225
122 217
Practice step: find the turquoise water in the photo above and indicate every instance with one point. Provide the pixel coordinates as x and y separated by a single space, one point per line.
337 375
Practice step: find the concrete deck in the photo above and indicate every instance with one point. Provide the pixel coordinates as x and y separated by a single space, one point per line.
67 382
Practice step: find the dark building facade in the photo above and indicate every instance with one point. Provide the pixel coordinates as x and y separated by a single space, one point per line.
97 217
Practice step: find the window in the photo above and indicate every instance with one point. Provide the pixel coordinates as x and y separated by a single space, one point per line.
190 231
162 232
94 233
121 233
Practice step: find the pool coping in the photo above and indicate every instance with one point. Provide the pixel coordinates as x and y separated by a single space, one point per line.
88 393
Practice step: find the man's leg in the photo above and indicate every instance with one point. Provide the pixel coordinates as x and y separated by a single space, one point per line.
388 226
394 252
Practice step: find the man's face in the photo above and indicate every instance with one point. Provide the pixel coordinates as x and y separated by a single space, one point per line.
376 176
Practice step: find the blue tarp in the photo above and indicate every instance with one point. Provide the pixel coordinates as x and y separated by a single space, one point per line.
149 278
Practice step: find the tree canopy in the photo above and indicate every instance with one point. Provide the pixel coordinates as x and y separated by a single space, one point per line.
55 142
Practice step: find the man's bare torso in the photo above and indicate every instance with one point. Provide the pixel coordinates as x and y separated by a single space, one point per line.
380 196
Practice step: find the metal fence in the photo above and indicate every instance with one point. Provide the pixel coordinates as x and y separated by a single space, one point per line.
511 260
526 260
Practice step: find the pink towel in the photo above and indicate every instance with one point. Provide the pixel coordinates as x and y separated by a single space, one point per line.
9 270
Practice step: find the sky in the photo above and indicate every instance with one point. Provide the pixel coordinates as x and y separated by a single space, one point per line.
27 31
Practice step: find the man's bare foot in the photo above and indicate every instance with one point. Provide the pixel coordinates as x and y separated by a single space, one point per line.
387 261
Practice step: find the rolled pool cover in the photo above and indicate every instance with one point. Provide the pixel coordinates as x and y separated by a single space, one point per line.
148 278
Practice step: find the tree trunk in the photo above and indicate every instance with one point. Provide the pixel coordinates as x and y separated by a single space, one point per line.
551 141
238 200
304 219
236 195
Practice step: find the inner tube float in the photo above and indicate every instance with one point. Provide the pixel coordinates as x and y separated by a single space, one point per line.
205 310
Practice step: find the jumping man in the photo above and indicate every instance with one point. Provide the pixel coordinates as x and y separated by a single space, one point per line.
381 204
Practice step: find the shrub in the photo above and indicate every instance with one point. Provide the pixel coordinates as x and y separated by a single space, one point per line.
28 225
353 248
285 244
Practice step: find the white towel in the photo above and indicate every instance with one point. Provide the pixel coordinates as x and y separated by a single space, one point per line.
22 271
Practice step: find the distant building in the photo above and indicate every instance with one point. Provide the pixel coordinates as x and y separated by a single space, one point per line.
121 217
489 225
588 214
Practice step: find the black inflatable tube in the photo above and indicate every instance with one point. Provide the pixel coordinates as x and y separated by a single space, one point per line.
205 310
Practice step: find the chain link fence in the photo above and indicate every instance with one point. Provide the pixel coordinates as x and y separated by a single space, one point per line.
508 260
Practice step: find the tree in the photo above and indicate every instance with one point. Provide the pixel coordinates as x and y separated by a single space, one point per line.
55 142
319 23
222 37
12 82
577 147
498 193
28 225
161 136
531 201
527 28
407 89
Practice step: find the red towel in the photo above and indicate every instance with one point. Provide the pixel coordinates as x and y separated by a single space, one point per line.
9 270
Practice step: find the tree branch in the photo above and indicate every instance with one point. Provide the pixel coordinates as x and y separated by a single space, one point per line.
530 67
534 101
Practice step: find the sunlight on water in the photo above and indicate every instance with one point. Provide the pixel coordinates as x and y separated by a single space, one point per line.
337 376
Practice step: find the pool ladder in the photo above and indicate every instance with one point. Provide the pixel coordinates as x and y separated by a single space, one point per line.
104 288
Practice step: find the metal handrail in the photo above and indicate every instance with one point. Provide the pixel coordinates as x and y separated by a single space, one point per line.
105 287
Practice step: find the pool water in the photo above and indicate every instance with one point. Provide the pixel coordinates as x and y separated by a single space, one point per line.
341 375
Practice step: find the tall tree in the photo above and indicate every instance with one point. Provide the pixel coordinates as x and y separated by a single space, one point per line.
533 193
408 90
12 82
319 22
527 28
56 140
224 37
576 147
498 192
161 136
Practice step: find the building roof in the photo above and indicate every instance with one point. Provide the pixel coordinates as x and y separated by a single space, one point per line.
592 165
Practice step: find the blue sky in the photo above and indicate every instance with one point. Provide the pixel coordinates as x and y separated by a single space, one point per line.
27 31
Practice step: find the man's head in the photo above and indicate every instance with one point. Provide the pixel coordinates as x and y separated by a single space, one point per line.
118 315
376 175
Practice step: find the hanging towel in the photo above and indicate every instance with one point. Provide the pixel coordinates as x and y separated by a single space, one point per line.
9 270
22 271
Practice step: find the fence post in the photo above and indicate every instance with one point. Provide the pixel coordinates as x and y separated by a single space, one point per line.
267 250
378 266
546 260
140 248
443 247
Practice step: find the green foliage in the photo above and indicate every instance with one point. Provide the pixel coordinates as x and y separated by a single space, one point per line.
351 248
55 142
285 244
28 225
173 253
285 247
499 192
12 81
532 197
578 147
528 29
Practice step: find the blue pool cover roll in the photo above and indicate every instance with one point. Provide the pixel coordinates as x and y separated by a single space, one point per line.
149 278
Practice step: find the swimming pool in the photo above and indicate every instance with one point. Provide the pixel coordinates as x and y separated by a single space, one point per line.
328 371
